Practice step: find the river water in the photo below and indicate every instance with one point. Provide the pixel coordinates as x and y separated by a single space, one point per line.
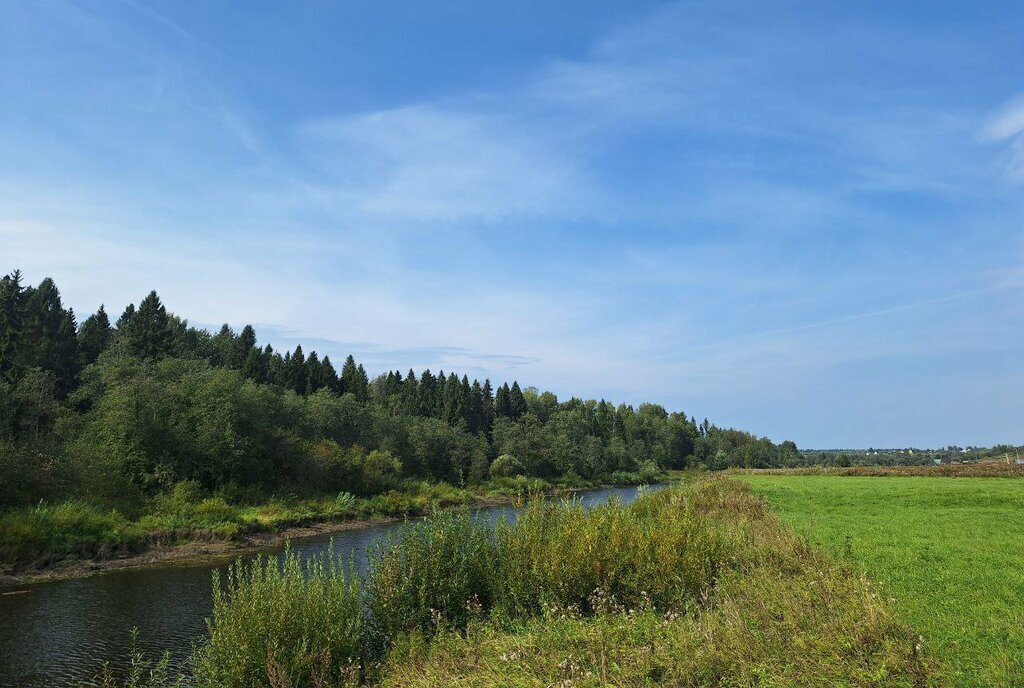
61 633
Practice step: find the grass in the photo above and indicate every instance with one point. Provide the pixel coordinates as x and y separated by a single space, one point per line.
949 550
692 586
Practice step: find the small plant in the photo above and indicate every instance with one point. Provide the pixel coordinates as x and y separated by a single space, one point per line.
344 502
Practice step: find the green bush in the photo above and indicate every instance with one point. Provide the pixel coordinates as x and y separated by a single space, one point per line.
506 466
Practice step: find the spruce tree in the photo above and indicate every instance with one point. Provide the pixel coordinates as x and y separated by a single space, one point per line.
12 317
50 336
349 375
476 408
314 373
295 371
487 402
516 401
148 330
425 396
245 343
362 391
93 336
330 375
502 409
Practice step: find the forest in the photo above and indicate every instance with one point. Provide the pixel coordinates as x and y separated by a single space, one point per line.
126 409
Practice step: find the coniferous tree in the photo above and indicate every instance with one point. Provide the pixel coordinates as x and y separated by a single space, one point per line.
516 401
223 353
126 317
12 318
314 373
362 390
53 335
476 408
425 394
148 331
244 343
329 375
502 408
93 336
349 375
487 402
410 390
295 371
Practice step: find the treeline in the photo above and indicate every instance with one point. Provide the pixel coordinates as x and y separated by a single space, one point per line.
120 410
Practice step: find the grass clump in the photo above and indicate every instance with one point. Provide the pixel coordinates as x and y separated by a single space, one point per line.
283 622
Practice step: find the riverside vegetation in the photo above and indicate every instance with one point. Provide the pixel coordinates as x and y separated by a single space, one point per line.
692 585
116 437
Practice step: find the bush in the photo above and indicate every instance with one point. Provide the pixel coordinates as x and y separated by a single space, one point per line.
280 622
381 472
506 466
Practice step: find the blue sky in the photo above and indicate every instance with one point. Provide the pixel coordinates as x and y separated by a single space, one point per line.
805 219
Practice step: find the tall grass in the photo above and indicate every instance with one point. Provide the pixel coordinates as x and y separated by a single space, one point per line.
433 574
283 622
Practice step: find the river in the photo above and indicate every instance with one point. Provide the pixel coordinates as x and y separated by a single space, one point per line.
61 633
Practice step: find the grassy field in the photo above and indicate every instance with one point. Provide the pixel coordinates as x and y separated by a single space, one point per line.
949 550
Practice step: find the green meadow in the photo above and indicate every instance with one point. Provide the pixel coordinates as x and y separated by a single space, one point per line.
949 551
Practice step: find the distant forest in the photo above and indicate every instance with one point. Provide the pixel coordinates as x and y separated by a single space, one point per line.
131 407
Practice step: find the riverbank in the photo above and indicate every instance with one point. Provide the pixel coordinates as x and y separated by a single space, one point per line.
256 527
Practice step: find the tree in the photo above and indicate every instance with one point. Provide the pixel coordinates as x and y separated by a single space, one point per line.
12 315
487 407
502 407
93 337
53 335
148 331
516 401
354 379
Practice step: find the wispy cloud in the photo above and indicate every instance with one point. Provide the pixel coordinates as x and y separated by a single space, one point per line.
431 163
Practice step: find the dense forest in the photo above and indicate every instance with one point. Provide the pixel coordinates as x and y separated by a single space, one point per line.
134 406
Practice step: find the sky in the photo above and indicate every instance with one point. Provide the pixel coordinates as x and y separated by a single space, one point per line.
802 219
